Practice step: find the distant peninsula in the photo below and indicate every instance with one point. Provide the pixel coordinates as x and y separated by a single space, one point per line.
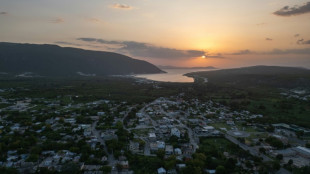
177 67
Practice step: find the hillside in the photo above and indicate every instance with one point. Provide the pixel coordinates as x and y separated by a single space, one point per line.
52 60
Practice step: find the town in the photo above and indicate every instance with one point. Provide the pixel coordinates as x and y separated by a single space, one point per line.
168 135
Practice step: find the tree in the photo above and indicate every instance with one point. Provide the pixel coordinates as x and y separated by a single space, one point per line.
220 170
5 170
275 142
160 154
279 157
106 169
262 150
290 162
32 158
71 167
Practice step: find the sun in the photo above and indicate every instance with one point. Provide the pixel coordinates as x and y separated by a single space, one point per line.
203 56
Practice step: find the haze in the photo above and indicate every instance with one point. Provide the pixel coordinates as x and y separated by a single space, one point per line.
220 33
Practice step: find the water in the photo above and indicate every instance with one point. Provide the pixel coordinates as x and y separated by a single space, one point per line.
172 75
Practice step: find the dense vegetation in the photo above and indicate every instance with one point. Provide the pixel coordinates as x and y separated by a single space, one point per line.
52 60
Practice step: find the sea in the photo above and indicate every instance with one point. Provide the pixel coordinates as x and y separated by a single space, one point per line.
173 75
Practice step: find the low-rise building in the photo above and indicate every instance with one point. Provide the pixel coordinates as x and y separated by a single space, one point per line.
152 137
161 171
302 151
169 150
175 132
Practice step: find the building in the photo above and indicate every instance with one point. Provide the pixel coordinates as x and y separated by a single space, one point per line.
109 135
208 128
153 147
161 144
169 150
100 113
231 123
285 152
134 147
302 151
161 171
177 151
176 132
152 137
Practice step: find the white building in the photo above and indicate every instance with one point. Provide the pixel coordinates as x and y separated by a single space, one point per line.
152 136
161 171
176 132
100 113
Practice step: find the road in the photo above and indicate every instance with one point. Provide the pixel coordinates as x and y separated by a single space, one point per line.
111 160
252 150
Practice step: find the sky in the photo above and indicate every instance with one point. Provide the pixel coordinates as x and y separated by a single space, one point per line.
220 33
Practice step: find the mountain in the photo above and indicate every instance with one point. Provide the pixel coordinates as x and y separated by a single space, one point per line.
272 76
53 60
177 67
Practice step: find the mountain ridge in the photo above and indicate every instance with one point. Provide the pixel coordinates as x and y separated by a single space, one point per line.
53 60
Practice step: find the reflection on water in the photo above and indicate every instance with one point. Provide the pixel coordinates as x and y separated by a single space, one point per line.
172 75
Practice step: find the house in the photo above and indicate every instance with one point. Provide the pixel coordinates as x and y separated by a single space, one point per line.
100 113
70 120
210 171
152 137
208 129
139 114
169 150
175 132
134 147
172 171
161 144
142 121
109 134
91 167
177 151
161 171
153 147
104 158
180 166
123 162
230 122
87 132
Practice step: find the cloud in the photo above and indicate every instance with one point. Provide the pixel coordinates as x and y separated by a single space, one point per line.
121 6
242 52
68 43
303 42
57 20
296 10
268 39
261 24
217 55
3 13
305 51
296 35
94 20
147 50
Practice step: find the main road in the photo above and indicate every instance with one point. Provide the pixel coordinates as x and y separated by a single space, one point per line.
111 160
252 150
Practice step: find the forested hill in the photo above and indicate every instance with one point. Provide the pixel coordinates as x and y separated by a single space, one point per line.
53 60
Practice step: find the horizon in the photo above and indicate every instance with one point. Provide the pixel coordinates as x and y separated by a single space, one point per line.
221 34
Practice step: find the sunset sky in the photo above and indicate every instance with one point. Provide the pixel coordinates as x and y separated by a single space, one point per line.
228 33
